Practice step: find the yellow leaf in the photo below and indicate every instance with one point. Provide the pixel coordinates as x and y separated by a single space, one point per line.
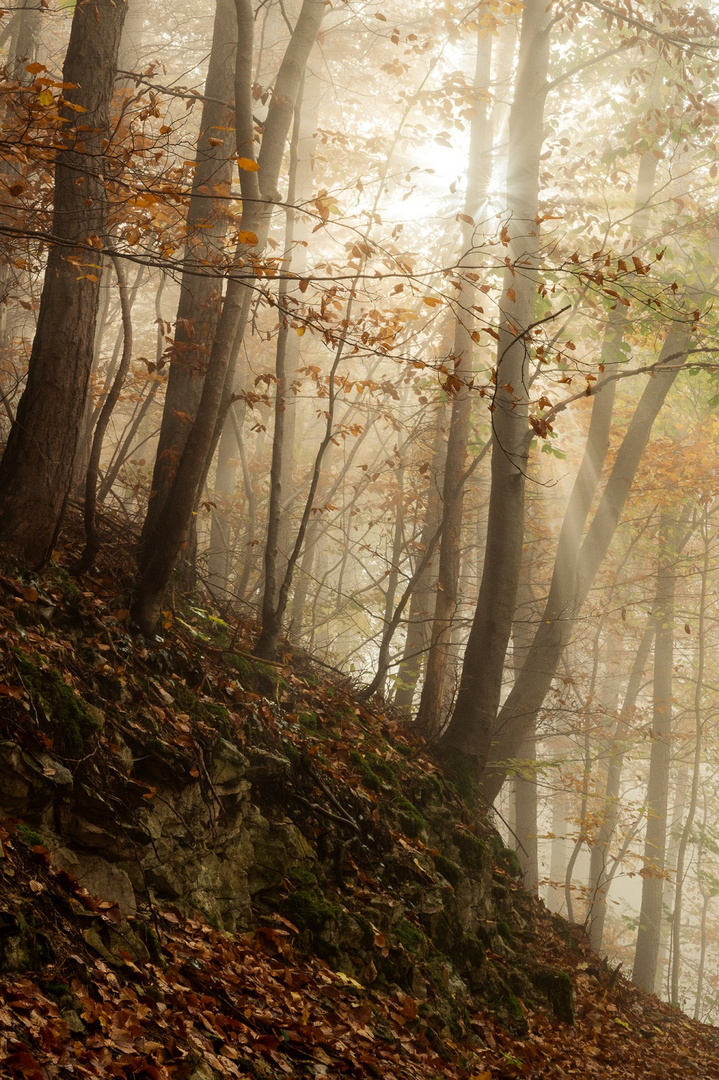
247 164
300 331
46 98
246 237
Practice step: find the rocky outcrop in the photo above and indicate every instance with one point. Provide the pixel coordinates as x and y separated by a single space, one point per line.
389 883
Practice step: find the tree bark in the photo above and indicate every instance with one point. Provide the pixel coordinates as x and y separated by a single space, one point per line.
200 293
468 737
696 773
459 387
599 872
555 629
647 945
92 544
36 469
419 627
164 542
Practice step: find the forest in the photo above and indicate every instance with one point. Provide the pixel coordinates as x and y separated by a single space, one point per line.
387 331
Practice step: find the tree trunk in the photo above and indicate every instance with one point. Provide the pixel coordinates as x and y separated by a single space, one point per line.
92 544
696 772
647 945
430 715
599 873
36 469
164 542
555 629
468 736
419 631
200 293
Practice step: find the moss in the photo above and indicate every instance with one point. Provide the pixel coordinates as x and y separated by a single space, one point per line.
300 875
449 870
461 769
472 851
308 909
509 861
381 768
256 675
309 721
410 936
504 930
369 778
367 929
445 933
76 726
557 987
29 836
410 818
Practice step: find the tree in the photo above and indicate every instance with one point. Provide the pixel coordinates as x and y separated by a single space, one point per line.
258 182
36 468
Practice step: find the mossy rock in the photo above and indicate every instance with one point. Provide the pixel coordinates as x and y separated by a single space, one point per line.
449 870
558 989
509 862
473 852
412 822
369 777
72 717
410 937
308 909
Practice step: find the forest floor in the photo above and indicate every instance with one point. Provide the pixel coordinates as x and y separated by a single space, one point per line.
204 1002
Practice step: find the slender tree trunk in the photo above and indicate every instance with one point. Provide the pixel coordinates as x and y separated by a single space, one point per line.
431 712
647 945
599 858
200 293
36 469
468 736
525 778
419 624
164 542
696 775
92 534
705 888
554 631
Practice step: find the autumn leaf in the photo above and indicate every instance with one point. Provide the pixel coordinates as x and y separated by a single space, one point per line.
247 164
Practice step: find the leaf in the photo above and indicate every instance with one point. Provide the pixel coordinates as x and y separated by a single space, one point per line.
246 236
247 164
511 295
35 68
11 691
46 98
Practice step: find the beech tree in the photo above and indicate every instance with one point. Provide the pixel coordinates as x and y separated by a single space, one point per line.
36 468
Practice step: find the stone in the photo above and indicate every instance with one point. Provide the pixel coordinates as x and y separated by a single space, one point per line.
100 877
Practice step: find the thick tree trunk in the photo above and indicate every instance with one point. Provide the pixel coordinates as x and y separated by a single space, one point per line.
200 294
469 734
164 542
647 945
36 469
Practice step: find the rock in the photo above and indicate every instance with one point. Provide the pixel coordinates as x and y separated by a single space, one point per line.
229 769
97 875
30 783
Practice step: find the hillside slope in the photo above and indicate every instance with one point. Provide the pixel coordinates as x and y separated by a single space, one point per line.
213 866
